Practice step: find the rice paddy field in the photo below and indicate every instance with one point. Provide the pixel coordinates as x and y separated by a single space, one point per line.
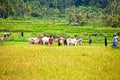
22 61
37 62
35 28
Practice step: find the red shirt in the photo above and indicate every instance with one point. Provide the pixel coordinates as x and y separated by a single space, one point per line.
59 39
51 40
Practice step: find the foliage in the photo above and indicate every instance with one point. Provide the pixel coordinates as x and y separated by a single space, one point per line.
111 15
20 8
82 12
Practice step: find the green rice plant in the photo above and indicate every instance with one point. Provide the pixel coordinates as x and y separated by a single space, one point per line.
35 28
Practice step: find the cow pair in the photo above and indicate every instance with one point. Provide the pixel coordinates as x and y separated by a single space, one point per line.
41 40
74 41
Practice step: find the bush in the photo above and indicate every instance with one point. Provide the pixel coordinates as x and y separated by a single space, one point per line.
111 20
35 15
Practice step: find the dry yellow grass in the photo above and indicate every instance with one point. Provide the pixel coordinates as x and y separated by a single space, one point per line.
35 62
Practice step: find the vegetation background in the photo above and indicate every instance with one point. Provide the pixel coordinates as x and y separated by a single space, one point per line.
59 17
83 12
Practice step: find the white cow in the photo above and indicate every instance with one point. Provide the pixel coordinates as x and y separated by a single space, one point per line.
33 40
45 40
72 41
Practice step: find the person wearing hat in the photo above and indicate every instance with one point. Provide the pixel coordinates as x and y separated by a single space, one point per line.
114 41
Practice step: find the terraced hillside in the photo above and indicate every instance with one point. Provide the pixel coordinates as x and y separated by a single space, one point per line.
33 29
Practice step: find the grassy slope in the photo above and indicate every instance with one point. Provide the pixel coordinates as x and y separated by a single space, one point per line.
18 62
35 27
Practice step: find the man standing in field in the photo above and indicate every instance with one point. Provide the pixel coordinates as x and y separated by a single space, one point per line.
90 40
59 41
105 41
22 33
51 40
115 41
5 34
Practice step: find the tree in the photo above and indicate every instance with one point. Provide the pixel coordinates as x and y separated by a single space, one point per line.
20 8
70 14
44 11
2 12
111 15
